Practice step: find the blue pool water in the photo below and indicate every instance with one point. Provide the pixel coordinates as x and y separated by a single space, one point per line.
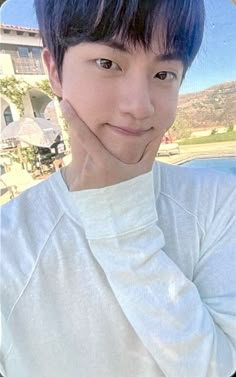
227 165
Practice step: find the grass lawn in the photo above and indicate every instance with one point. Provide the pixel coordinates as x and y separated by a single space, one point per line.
227 136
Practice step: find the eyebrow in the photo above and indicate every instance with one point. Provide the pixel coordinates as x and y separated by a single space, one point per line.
123 48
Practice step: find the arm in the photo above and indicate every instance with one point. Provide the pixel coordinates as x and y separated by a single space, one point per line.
188 331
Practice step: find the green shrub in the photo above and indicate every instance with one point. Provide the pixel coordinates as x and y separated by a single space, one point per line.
230 128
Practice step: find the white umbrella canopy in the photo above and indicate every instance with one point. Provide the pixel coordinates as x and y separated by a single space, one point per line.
34 131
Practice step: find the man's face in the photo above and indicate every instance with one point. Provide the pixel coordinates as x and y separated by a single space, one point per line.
127 98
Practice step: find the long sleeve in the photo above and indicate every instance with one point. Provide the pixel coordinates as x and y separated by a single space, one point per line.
187 332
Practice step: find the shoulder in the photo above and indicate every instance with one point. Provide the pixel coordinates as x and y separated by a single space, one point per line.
197 207
30 208
26 224
197 190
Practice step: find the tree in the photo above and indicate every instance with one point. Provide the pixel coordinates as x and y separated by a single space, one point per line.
181 129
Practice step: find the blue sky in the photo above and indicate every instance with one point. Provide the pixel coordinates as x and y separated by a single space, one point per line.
216 61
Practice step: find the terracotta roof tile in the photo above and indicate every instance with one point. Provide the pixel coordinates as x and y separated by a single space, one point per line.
20 28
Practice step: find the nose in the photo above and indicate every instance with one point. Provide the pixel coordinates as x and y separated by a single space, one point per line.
136 99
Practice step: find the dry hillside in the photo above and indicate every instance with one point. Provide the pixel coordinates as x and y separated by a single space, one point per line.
211 108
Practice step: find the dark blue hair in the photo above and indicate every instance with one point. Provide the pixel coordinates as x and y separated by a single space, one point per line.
177 24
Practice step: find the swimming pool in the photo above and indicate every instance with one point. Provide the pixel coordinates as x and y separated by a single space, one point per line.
225 164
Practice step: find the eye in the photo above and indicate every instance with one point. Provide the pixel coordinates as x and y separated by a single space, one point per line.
166 76
107 64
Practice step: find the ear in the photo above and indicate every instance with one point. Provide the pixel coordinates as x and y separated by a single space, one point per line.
52 72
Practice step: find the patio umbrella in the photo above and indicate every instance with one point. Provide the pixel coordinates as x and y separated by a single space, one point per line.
34 131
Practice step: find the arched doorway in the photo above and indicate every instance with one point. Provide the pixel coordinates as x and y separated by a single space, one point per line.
39 101
6 113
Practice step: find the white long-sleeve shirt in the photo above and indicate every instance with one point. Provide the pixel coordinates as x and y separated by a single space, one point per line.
132 280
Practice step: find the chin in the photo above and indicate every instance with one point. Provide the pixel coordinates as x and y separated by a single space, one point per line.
128 158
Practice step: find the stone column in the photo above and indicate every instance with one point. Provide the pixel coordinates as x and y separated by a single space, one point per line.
28 108
14 111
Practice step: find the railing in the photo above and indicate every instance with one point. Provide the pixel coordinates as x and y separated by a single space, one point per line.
28 66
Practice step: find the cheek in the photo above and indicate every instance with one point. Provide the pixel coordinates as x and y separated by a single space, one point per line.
91 100
166 110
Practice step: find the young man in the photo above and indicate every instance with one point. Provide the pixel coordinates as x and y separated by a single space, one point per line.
117 266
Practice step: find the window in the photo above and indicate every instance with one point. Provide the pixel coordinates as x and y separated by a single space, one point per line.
23 52
36 52
8 115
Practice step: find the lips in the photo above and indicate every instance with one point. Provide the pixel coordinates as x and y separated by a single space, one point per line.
127 131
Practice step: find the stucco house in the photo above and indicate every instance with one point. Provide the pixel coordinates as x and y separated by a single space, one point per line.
20 57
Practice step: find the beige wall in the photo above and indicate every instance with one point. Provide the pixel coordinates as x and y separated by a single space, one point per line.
6 66
25 39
